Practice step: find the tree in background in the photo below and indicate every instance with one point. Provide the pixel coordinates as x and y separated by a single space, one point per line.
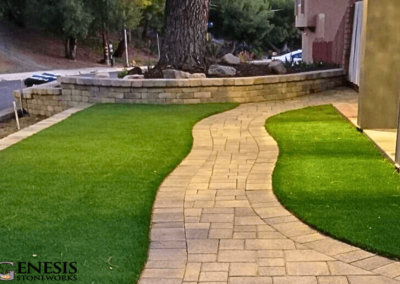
266 24
284 36
242 20
13 11
184 44
153 17
68 19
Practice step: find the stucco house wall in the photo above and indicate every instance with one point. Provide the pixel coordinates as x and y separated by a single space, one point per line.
326 27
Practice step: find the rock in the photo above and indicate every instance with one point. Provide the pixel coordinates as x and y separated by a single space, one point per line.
278 67
102 75
133 77
230 59
175 74
223 71
135 71
198 75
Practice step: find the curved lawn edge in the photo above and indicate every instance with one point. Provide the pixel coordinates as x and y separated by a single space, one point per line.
340 183
88 186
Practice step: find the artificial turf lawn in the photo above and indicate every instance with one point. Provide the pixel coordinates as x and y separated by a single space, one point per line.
333 178
83 190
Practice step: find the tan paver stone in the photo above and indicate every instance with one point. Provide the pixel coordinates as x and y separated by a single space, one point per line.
196 233
221 233
157 281
243 269
207 276
371 280
270 254
245 235
167 234
215 266
270 235
192 272
167 254
168 245
163 273
391 270
222 226
307 268
295 280
202 257
372 262
271 262
232 204
272 212
331 247
248 221
251 228
305 255
293 229
202 246
332 280
250 280
218 211
272 244
231 245
308 238
354 256
272 271
237 256
217 218
341 268
181 264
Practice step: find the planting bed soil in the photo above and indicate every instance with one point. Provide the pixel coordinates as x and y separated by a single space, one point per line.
10 126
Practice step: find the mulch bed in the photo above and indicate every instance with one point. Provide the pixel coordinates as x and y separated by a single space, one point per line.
10 126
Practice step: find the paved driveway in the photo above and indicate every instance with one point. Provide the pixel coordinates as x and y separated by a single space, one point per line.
6 93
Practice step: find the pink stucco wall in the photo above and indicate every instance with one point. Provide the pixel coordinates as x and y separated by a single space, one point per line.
325 25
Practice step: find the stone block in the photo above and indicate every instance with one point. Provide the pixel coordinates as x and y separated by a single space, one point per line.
185 96
167 96
132 96
202 95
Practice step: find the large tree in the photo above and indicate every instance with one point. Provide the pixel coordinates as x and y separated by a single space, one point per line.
184 44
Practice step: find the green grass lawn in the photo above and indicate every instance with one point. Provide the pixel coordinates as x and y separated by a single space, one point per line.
82 191
333 178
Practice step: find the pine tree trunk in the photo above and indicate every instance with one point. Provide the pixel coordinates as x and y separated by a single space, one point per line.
184 44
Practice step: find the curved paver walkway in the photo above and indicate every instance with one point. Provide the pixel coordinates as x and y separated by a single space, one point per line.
216 219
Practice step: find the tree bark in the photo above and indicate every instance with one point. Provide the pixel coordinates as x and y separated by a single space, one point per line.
105 47
120 50
70 48
184 45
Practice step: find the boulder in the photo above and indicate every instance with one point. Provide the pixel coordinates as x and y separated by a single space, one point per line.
198 75
175 74
278 67
133 77
136 71
230 59
222 71
102 75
